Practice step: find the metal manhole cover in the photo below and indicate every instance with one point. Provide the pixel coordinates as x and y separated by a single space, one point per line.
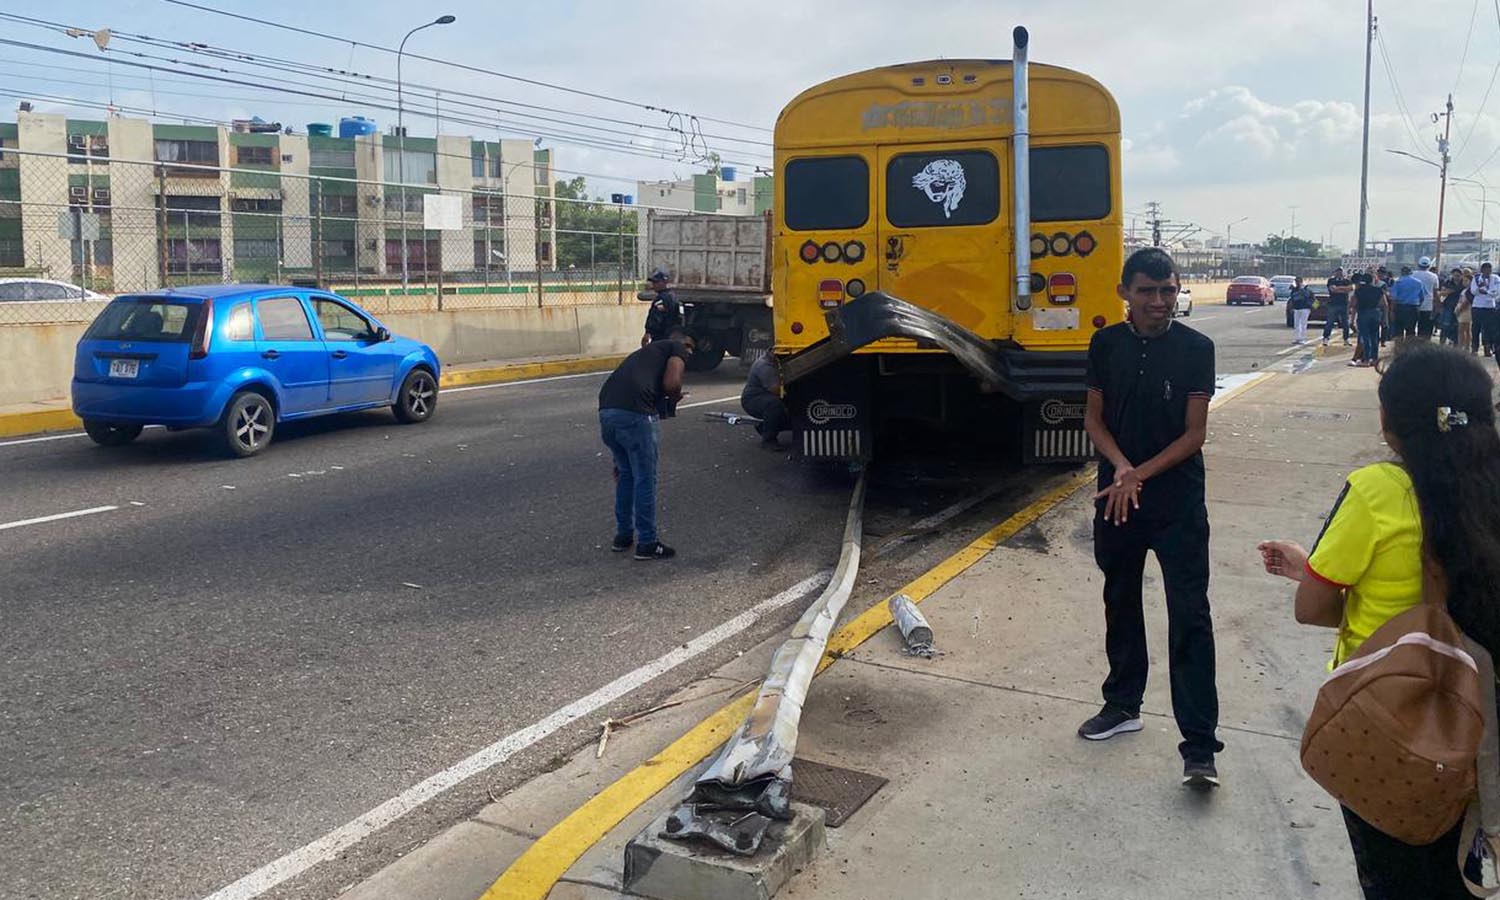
840 792
1322 415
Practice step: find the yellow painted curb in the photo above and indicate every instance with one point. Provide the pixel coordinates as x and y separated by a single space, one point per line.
38 422
522 371
533 875
45 420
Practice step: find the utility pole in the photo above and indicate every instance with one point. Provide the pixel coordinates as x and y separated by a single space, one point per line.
1364 162
1155 209
1447 115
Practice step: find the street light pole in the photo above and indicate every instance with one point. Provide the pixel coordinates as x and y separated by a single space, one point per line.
1229 239
401 143
1364 161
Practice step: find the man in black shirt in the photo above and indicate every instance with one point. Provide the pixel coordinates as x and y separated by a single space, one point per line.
1339 289
666 313
1150 380
646 386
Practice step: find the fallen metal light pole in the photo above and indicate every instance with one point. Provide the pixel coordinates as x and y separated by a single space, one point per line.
750 782
913 626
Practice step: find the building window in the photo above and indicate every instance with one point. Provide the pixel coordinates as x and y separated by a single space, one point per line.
337 249
191 256
340 204
488 208
256 248
495 163
255 156
12 255
194 212
544 251
541 175
476 163
197 153
102 250
83 146
420 166
331 158
255 205
489 254
742 196
414 203
420 255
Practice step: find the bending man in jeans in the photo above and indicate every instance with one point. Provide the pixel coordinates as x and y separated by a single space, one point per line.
1150 380
646 386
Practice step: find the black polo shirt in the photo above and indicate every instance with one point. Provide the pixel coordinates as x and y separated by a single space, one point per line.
1145 384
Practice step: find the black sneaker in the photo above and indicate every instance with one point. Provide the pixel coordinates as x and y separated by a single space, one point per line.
622 542
1112 720
771 444
1200 774
654 550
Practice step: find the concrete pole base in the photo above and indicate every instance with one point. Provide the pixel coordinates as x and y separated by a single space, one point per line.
672 870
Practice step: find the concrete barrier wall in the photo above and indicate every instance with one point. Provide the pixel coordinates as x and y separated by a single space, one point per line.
36 361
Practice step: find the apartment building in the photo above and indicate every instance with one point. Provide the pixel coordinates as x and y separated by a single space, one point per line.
720 191
124 203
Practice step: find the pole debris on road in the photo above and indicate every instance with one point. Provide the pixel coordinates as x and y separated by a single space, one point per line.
749 784
913 625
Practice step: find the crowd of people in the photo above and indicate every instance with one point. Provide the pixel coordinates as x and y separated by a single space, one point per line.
1378 305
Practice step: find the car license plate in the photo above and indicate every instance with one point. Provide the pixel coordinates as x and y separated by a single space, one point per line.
124 368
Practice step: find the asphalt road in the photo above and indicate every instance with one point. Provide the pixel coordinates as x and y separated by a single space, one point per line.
243 655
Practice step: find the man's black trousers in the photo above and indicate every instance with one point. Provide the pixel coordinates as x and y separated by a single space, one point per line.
1181 546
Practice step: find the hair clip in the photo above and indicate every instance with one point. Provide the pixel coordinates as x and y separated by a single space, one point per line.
1447 418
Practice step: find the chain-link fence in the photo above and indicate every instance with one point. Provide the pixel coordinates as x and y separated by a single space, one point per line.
76 229
1204 265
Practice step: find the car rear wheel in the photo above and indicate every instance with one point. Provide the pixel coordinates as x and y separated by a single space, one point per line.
248 424
418 398
106 434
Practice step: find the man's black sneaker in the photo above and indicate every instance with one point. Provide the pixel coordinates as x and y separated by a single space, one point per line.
1200 774
654 550
1111 721
771 444
622 542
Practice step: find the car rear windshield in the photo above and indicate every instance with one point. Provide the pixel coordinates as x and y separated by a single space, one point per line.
1247 279
827 193
147 319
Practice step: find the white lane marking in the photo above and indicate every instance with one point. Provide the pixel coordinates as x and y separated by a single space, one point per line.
67 515
55 437
335 842
38 440
1294 348
707 402
505 384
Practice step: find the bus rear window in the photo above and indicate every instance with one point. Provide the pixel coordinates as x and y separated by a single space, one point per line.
148 319
827 193
1069 184
942 187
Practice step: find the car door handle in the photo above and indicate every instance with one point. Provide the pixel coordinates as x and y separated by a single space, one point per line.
272 354
340 354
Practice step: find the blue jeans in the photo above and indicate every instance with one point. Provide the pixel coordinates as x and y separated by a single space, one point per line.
1368 323
1338 314
633 438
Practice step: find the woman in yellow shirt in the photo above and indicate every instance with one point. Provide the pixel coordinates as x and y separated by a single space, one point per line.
1438 505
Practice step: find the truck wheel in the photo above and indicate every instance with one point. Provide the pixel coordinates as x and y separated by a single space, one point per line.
708 355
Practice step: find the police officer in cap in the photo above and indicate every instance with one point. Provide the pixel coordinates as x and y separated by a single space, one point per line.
666 313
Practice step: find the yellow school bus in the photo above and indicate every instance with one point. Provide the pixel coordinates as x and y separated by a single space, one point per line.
948 237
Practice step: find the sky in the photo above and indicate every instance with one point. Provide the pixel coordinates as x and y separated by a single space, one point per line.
1232 111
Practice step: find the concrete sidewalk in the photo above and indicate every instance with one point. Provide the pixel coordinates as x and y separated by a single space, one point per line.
57 414
991 794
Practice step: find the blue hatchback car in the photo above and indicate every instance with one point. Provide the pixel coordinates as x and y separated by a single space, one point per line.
240 358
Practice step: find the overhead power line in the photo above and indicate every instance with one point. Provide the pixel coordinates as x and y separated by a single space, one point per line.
1401 107
479 69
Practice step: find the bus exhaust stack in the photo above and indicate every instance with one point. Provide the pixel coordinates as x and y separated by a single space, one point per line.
1021 155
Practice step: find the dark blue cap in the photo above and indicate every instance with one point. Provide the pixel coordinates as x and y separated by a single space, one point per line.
659 275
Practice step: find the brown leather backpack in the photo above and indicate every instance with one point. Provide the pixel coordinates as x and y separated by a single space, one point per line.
1397 727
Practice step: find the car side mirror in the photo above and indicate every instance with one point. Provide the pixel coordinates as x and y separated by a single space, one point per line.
382 334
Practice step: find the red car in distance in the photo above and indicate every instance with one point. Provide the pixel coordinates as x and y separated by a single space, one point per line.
1250 289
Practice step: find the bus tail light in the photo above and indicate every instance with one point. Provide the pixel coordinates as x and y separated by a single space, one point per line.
809 252
832 252
796 328
854 251
830 293
1062 288
1100 321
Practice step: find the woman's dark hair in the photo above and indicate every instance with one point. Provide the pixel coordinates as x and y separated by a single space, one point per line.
1455 471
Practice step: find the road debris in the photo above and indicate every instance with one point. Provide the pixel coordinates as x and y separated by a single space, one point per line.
408 584
913 626
610 726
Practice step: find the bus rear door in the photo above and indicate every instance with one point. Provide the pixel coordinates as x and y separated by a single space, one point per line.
944 238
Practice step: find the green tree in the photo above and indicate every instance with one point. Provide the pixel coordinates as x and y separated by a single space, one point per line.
589 231
1276 245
